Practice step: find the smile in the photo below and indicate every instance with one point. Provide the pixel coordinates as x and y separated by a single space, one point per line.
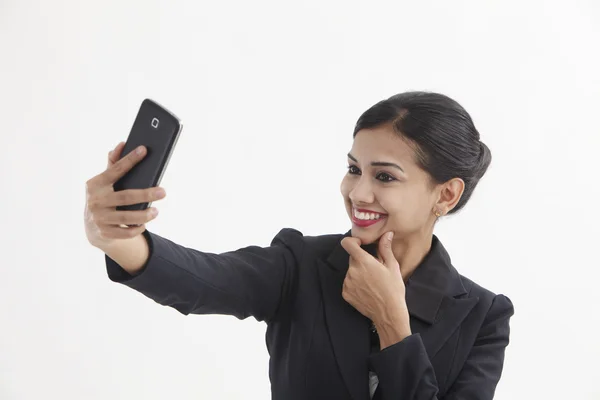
364 218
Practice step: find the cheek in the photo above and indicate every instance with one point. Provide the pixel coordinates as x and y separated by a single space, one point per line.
391 201
404 207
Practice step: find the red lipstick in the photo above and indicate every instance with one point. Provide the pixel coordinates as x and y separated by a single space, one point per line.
366 223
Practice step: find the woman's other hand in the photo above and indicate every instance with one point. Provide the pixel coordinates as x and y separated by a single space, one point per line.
376 289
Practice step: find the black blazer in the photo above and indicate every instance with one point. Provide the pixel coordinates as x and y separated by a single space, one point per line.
319 345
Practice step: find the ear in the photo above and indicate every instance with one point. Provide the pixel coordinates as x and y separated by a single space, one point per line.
450 194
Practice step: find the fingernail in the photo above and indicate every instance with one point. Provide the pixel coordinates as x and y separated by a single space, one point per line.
153 212
159 192
390 235
110 153
139 150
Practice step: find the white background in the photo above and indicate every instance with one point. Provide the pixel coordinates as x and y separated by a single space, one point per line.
269 93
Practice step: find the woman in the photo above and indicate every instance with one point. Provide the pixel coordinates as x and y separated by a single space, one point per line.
378 312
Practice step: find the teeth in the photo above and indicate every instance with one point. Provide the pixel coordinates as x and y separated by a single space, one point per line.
366 216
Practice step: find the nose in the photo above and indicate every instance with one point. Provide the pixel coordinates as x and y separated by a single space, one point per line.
362 192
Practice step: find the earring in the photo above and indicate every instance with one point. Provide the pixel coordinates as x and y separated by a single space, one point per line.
437 213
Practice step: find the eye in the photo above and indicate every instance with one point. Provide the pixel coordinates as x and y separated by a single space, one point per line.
385 177
353 170
381 176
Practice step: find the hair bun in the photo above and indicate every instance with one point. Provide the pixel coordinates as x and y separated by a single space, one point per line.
483 161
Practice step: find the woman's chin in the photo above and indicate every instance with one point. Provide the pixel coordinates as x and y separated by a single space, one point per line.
365 237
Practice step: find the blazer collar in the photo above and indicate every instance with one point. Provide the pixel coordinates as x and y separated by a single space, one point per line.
434 279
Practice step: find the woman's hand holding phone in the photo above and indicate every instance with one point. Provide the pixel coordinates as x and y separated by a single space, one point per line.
118 201
106 226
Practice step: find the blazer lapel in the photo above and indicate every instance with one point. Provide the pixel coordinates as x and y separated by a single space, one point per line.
435 300
348 329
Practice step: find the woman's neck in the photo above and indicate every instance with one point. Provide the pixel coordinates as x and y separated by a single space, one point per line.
411 251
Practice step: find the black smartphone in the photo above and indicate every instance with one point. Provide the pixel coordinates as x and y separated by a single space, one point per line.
158 130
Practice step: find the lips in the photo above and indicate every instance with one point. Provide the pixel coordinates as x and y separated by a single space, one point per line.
364 218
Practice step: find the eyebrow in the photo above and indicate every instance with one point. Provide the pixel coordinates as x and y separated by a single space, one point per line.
378 163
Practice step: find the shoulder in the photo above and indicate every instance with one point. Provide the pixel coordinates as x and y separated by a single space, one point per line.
493 305
320 245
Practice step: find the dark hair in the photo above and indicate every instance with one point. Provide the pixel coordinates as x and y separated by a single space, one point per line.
446 142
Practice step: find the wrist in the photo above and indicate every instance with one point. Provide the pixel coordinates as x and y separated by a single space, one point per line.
131 254
393 327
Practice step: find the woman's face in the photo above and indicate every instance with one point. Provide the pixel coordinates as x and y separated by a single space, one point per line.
384 189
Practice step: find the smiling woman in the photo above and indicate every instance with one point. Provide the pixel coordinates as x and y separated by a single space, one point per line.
378 312
415 157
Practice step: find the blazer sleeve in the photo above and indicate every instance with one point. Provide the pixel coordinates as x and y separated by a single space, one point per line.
405 372
251 281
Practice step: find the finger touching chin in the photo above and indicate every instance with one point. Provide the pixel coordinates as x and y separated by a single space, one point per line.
350 241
